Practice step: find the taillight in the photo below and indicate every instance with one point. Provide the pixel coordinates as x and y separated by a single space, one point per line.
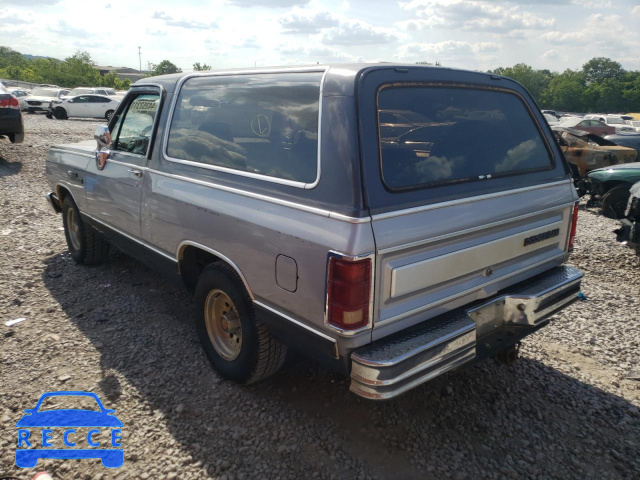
9 102
348 292
574 226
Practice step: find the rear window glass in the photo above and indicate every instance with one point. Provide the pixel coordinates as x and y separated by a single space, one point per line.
264 124
434 135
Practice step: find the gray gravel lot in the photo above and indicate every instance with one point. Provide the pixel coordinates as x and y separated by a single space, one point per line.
566 409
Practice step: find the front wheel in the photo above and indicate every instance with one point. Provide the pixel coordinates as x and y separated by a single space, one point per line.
108 115
237 343
86 245
614 203
60 113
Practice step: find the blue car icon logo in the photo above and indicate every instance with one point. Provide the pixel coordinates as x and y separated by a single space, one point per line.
69 419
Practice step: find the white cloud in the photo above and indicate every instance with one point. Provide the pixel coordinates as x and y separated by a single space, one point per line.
309 23
636 12
593 4
170 21
267 3
358 33
474 16
446 49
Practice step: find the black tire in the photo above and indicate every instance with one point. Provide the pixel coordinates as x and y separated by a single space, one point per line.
92 248
60 113
108 115
261 355
614 203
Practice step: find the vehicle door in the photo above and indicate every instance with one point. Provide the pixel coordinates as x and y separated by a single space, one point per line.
586 126
79 106
113 192
98 106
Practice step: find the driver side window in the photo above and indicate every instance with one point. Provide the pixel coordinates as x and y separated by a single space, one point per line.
133 128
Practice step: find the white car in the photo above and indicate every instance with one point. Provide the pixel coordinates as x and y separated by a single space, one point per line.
636 125
21 94
87 106
41 97
92 91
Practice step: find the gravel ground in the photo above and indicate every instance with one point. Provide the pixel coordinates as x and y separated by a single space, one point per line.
566 409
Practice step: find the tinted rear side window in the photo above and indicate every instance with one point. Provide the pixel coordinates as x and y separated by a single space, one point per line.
262 124
439 135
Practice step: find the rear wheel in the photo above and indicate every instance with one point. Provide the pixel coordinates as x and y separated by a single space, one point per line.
60 113
614 203
108 115
237 343
86 245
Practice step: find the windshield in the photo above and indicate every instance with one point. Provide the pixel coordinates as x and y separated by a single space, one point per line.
614 120
463 135
45 92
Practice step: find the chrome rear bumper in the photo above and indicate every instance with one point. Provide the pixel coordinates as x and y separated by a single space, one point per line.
395 364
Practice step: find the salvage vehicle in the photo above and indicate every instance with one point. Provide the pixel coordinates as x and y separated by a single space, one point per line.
629 232
92 91
588 125
300 219
588 151
618 123
21 95
610 186
626 139
11 125
41 97
84 106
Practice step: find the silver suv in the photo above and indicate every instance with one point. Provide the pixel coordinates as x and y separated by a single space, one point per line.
394 222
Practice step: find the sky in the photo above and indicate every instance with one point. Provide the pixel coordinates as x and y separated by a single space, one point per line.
470 34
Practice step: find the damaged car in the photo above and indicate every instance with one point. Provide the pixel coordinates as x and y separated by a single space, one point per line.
629 232
610 187
588 151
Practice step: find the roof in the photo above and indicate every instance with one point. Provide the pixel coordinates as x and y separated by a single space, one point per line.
340 77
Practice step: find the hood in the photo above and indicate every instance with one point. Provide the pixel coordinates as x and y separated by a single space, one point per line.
626 172
38 98
69 418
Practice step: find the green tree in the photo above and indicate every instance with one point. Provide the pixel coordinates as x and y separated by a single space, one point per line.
598 69
163 68
199 68
535 81
566 92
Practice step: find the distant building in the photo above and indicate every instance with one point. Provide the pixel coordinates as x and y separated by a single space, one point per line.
123 73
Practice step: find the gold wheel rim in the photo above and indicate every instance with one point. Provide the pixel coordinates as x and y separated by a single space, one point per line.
73 228
223 324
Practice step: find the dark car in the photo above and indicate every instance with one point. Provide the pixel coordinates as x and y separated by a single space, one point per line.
611 185
11 125
630 140
629 231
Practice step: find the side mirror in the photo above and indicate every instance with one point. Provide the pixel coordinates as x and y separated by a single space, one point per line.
103 136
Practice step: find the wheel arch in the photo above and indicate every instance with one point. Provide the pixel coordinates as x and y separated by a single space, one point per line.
193 257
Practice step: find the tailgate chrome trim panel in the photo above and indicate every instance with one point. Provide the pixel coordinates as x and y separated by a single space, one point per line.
392 365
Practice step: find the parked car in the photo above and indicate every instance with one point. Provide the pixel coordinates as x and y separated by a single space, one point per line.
11 125
629 140
611 186
551 119
587 125
41 97
92 91
614 121
296 223
21 95
629 231
635 124
87 106
588 151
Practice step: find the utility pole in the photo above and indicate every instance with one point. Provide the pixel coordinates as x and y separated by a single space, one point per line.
140 58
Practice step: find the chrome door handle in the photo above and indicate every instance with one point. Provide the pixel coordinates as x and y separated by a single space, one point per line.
137 173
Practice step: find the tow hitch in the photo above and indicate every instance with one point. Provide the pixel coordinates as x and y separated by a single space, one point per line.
510 355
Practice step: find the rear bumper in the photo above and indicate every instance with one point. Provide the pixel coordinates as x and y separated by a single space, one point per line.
400 362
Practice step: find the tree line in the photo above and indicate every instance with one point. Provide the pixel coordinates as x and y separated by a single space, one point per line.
602 86
75 71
